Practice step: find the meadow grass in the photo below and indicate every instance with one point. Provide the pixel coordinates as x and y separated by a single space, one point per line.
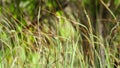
54 42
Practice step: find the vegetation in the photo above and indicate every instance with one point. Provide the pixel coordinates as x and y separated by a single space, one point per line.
59 34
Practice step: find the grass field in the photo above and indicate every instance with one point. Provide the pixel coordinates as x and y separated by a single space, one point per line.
59 34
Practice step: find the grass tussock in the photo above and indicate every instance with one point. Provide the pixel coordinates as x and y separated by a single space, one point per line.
59 34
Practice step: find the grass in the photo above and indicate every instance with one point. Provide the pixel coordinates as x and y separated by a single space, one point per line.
56 41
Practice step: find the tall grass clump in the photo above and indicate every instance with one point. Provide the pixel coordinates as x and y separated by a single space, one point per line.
59 34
